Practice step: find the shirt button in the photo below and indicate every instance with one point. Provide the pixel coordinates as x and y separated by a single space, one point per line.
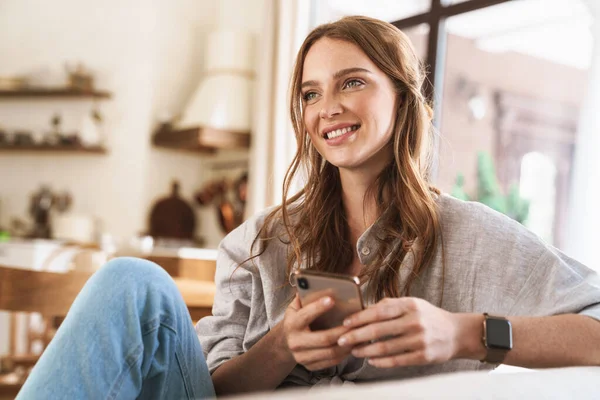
365 251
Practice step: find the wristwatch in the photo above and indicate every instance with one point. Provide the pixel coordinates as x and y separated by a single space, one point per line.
497 338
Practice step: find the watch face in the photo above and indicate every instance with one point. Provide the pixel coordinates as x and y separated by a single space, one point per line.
499 334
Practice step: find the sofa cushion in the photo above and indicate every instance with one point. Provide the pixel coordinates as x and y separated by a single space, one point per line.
561 383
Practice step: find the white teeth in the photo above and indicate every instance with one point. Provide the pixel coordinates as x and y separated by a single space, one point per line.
340 132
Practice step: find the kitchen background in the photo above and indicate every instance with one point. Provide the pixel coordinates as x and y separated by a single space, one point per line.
150 57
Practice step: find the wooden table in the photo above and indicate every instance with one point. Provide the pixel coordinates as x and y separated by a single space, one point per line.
198 296
52 293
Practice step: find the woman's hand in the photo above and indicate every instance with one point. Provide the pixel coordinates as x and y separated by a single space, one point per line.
315 350
406 331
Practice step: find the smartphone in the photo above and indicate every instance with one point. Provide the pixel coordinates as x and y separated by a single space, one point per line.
343 289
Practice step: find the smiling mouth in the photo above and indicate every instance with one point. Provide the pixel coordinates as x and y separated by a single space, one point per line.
340 132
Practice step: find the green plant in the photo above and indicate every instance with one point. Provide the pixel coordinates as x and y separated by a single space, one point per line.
489 192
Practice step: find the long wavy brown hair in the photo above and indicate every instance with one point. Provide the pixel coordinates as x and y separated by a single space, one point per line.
314 219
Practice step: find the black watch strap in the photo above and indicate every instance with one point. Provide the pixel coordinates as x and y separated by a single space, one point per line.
495 356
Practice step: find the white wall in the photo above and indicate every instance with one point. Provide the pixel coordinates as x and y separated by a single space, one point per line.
149 54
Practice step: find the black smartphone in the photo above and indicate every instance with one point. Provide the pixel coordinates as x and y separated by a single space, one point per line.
343 289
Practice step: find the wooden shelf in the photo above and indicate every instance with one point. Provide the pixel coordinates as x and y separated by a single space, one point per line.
201 140
59 92
53 149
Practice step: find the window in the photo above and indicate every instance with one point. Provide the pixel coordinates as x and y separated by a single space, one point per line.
509 78
538 186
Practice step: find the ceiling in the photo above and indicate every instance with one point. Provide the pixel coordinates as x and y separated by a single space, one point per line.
554 30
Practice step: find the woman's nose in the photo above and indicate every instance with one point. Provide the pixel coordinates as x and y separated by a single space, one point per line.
330 108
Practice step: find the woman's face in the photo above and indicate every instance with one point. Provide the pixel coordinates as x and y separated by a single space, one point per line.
349 105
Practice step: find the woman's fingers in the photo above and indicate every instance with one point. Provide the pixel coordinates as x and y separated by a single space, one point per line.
296 304
389 347
422 334
324 364
307 314
379 330
384 310
333 355
419 357
313 349
306 340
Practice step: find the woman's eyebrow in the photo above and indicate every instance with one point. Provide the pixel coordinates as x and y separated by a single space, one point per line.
347 71
337 75
309 83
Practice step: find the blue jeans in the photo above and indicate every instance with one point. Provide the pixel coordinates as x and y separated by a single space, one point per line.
127 335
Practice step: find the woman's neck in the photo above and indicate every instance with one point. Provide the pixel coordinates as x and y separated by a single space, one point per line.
359 205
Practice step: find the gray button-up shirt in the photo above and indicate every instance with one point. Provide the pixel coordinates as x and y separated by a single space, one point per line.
493 264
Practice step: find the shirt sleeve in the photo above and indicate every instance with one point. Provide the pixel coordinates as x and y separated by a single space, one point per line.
238 301
559 285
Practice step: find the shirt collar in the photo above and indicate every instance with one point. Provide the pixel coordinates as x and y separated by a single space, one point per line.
367 245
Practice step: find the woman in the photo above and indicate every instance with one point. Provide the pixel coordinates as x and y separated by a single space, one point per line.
431 265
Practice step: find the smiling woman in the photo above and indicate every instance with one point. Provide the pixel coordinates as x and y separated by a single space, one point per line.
433 268
357 103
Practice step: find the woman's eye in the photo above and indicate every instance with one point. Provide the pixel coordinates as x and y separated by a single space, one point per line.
353 83
309 96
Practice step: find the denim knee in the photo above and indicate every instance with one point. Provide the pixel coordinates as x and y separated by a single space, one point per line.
130 272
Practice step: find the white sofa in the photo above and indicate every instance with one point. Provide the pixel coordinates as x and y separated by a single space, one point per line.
578 383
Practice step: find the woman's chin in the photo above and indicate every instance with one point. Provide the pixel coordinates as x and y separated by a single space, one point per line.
372 165
345 164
